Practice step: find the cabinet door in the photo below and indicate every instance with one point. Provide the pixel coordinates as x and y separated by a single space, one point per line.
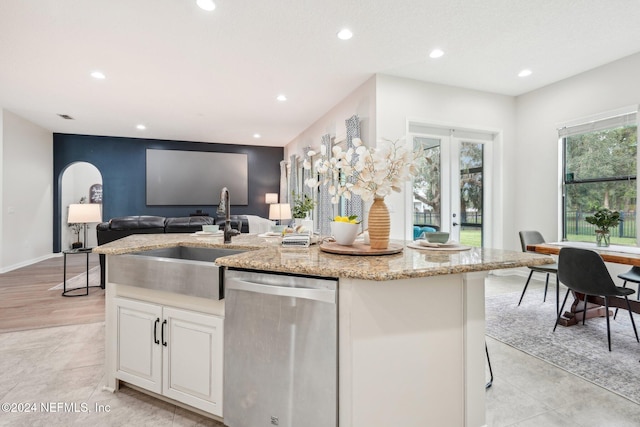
192 362
139 355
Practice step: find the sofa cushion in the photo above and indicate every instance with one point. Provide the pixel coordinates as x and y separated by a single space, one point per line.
187 224
138 222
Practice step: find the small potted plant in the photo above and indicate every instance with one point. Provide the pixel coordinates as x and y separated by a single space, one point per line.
302 205
603 219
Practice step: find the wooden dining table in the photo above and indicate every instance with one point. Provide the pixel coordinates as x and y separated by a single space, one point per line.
629 255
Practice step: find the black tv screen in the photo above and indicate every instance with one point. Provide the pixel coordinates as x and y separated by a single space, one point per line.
195 177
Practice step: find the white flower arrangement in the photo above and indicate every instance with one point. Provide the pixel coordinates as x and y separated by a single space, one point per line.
376 173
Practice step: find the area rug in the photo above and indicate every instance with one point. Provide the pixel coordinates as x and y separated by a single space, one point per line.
80 281
580 350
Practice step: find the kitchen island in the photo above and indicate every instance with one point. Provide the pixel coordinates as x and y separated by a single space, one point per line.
410 325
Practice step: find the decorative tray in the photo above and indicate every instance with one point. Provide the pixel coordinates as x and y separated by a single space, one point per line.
439 247
359 249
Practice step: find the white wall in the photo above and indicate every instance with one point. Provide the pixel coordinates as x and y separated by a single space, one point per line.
26 194
361 101
400 99
384 104
536 160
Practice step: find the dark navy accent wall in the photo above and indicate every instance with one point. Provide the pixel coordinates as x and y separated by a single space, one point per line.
121 162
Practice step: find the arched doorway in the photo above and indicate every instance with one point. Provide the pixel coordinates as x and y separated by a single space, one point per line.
81 182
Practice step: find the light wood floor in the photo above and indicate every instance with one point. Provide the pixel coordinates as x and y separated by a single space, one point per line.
26 303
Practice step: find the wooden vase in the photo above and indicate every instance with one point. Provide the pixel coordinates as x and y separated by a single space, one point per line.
379 224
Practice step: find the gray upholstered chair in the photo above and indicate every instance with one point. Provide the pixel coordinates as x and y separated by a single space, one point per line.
583 271
534 238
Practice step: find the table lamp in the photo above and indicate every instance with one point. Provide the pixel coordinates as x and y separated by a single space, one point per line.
84 213
271 198
279 211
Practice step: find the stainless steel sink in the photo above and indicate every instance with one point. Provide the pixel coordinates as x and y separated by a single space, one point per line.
180 269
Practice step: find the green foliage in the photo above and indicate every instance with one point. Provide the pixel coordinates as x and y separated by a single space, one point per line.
302 205
604 218
426 183
602 154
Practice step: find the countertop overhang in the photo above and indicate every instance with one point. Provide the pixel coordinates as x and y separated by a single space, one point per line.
267 254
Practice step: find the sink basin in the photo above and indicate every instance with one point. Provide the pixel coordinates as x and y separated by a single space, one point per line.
188 253
183 270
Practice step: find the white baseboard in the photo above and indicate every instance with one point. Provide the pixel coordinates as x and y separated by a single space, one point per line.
29 262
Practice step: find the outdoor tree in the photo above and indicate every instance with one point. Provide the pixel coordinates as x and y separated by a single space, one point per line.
607 154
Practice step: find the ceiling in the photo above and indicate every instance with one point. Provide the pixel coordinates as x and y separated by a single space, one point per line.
214 76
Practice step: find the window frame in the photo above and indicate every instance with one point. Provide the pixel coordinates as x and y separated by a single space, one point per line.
625 116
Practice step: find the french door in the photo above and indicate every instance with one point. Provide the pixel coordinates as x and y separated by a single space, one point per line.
452 190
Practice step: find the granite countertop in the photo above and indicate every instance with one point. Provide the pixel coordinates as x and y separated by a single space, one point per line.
267 254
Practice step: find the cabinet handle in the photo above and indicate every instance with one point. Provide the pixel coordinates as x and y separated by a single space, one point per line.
164 322
155 331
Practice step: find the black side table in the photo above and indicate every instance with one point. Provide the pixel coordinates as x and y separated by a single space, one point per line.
65 291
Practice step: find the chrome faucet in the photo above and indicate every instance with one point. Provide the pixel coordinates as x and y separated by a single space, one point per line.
225 205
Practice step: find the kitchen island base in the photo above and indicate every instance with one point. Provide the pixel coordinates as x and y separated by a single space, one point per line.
411 344
412 352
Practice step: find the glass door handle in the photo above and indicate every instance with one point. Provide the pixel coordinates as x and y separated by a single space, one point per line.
455 224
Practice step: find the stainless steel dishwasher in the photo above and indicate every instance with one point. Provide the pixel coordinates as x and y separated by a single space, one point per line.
280 350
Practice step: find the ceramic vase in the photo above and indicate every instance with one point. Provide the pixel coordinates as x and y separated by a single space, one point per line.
379 224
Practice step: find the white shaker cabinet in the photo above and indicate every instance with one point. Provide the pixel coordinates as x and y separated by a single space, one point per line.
173 352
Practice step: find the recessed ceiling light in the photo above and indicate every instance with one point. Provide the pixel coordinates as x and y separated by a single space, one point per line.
257 135
98 75
281 98
436 53
345 34
141 127
207 5
524 73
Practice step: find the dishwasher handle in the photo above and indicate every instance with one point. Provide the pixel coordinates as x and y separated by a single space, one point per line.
324 295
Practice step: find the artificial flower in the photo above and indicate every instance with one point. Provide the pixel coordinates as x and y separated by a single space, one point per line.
376 172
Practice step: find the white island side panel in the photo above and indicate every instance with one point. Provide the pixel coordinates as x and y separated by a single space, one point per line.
405 352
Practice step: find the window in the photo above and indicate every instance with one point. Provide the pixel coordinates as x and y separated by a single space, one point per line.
599 170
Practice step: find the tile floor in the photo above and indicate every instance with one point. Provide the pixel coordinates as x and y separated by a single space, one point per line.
64 365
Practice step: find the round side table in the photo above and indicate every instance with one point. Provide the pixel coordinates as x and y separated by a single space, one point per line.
65 291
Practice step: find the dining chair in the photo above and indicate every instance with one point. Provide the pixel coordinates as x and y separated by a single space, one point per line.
584 271
632 275
534 238
490 382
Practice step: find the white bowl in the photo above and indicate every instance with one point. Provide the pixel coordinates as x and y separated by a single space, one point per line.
211 228
345 233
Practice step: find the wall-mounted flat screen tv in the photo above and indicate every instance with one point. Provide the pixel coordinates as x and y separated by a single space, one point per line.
195 177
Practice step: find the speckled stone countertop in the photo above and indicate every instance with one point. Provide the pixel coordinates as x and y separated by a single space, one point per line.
267 254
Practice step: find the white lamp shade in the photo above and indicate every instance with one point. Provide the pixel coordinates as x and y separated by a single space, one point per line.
84 212
280 211
271 198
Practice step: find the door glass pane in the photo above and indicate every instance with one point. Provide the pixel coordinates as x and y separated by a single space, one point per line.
427 184
471 193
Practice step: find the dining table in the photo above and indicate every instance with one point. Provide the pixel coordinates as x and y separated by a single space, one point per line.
619 254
